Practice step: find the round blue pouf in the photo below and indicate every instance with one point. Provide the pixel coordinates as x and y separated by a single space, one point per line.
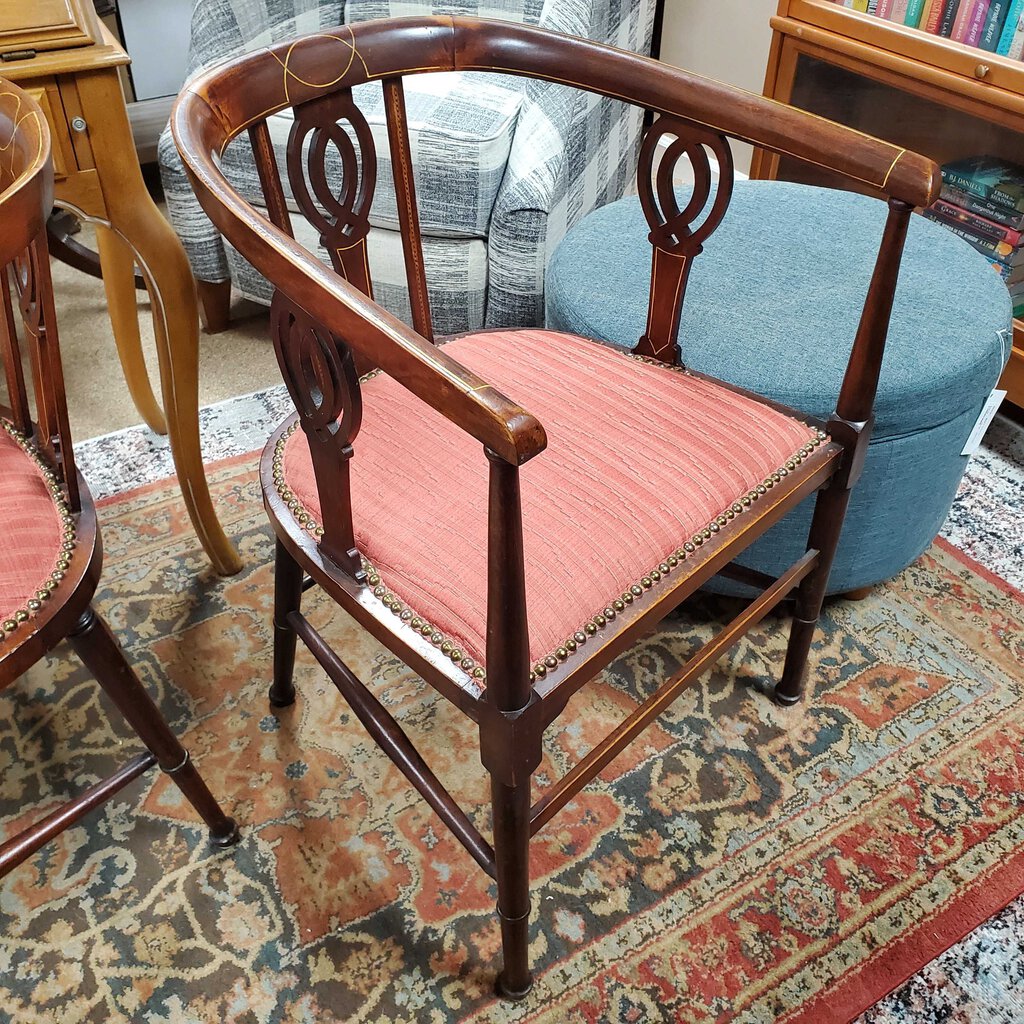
772 306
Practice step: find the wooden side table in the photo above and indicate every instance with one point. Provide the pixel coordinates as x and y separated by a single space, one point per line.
932 95
60 52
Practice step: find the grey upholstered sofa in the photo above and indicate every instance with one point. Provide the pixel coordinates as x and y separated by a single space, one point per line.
504 167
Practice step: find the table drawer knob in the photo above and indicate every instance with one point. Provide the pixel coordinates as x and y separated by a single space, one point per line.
981 71
78 124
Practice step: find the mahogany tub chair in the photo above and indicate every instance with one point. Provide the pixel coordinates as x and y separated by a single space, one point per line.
50 549
510 510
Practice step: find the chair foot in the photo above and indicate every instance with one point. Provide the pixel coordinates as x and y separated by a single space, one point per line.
513 995
859 594
790 688
225 835
283 698
785 699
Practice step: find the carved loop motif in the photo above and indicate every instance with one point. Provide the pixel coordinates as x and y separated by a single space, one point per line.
25 274
342 217
319 371
674 230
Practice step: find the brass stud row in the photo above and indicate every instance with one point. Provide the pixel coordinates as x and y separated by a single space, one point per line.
659 572
461 659
35 603
592 626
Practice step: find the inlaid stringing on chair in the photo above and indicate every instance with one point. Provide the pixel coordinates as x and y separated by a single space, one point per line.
50 549
506 582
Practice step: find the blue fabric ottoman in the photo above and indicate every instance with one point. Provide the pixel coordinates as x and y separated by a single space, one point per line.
772 306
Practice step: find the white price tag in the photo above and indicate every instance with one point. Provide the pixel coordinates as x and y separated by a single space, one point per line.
988 413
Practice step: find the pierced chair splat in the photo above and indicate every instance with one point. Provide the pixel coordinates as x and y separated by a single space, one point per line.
508 511
51 554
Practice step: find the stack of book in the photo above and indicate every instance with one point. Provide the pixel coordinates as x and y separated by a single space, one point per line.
993 25
982 201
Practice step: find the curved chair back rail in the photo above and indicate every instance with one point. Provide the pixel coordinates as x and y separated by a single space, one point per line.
317 71
26 172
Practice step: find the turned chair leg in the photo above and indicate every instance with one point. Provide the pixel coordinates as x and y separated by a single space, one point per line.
214 305
96 646
826 526
287 599
511 810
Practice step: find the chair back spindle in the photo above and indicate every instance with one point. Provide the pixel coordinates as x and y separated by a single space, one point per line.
270 177
408 211
678 235
21 415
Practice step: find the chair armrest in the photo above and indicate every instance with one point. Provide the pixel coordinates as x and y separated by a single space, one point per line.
500 424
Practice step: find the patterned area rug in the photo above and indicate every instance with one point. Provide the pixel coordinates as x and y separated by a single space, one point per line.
741 862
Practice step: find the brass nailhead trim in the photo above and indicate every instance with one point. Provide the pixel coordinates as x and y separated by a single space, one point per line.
592 626
68 539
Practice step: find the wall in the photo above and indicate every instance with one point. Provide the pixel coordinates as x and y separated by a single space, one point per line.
723 39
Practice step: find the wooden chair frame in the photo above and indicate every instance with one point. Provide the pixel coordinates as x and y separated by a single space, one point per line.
62 607
327 328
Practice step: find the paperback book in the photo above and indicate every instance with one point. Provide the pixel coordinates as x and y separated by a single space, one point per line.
1001 252
1000 214
1011 41
978 224
998 182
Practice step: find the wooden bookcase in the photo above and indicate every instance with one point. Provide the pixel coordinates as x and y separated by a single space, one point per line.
931 95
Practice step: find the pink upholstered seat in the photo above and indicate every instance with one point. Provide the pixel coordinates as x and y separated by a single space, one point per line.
30 528
640 458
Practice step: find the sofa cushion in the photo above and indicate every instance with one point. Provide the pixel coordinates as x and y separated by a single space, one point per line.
460 133
505 10
456 271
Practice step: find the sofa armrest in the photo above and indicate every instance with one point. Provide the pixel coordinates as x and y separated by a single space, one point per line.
571 153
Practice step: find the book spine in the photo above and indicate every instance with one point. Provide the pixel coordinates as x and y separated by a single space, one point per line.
884 7
1012 277
963 19
999 214
997 250
1010 27
965 184
994 21
1001 198
975 222
934 19
973 36
860 5
1016 50
913 16
948 17
872 6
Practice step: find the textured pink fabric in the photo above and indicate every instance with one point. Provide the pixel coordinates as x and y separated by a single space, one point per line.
30 528
639 458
